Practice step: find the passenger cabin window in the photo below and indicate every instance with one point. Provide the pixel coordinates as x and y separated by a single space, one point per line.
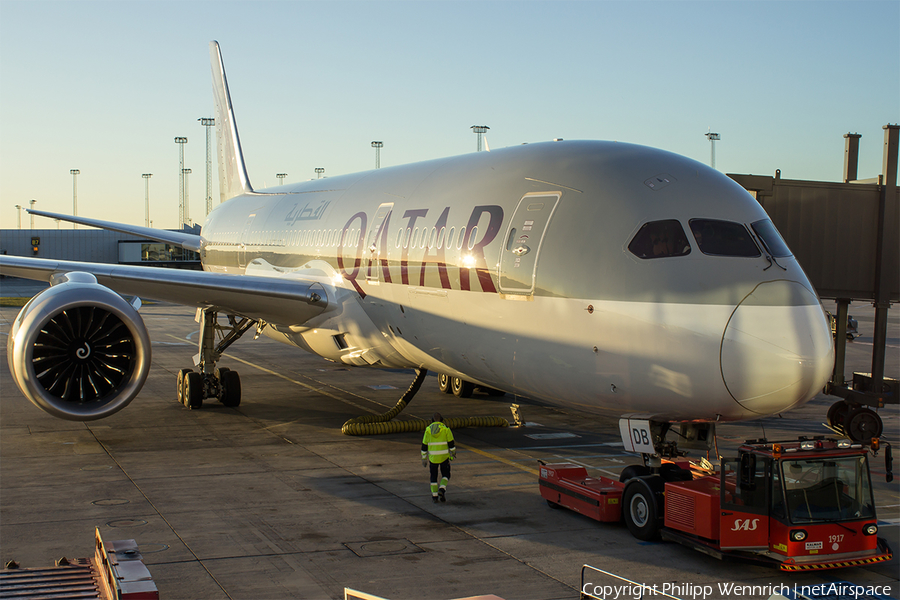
660 239
771 239
723 238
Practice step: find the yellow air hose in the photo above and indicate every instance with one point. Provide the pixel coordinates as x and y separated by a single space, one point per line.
382 424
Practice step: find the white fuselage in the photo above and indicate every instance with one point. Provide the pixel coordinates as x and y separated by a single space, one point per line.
517 269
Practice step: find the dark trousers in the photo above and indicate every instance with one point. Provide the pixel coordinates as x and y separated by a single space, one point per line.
445 475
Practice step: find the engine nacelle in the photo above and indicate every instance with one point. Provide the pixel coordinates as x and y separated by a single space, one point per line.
78 350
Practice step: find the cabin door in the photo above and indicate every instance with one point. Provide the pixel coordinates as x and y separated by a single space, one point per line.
518 259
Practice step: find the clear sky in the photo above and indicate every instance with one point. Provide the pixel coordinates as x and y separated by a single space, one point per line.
105 87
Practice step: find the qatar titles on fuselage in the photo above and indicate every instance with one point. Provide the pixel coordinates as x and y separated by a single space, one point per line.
572 271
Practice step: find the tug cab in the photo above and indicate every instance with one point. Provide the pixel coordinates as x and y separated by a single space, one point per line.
798 503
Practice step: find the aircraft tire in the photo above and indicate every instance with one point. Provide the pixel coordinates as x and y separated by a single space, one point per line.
632 471
552 504
193 390
179 384
863 424
641 508
672 472
444 383
231 388
461 387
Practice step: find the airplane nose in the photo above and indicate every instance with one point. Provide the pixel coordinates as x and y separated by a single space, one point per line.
777 351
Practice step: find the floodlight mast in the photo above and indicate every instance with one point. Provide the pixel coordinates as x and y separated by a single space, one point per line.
209 123
75 173
480 130
713 138
181 141
378 146
147 177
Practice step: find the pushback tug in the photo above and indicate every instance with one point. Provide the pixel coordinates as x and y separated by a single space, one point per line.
799 505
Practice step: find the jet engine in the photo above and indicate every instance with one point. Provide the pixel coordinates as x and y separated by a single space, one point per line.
78 350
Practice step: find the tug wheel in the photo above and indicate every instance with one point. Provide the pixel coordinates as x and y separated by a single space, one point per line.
641 507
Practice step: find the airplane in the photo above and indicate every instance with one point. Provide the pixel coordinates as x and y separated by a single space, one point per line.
625 280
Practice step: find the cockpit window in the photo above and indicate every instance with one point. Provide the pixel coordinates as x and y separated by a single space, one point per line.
771 239
723 238
660 239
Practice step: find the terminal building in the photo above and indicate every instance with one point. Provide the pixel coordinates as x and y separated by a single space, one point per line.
96 245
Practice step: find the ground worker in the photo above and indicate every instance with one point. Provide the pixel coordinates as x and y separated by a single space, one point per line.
438 449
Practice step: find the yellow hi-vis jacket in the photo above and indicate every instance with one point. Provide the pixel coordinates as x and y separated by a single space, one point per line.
438 444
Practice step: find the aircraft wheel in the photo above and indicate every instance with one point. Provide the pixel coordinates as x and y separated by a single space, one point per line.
863 425
672 472
231 388
444 383
640 509
461 388
193 390
179 384
837 415
632 471
552 504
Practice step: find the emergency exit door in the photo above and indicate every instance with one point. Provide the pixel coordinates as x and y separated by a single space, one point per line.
519 257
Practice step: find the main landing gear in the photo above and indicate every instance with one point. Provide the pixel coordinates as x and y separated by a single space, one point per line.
210 382
461 388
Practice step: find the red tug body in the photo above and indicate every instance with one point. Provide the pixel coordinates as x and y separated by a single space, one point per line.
800 505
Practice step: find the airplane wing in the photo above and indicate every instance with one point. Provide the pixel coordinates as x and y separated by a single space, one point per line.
290 299
188 241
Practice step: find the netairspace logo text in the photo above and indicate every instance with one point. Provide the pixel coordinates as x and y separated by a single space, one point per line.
730 590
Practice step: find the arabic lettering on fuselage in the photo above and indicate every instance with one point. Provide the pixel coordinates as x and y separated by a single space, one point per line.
309 212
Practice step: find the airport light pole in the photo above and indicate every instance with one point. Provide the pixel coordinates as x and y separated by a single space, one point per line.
147 177
181 141
209 123
378 146
713 138
19 216
480 130
319 171
187 196
31 202
75 173
281 177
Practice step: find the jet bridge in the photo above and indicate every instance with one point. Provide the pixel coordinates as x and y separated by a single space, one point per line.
846 236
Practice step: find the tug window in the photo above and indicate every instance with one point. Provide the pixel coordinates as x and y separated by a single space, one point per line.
660 239
771 239
723 238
